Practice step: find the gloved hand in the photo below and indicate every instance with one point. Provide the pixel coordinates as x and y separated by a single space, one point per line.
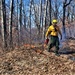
46 40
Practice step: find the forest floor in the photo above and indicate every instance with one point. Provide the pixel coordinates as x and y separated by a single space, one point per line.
37 61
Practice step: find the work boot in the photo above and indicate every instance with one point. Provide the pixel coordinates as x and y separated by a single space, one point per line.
57 54
49 50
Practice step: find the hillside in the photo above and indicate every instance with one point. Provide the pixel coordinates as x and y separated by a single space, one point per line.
37 61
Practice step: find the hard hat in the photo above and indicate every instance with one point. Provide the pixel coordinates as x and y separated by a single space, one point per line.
54 21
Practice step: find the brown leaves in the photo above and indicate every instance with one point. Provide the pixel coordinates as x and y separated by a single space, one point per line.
35 60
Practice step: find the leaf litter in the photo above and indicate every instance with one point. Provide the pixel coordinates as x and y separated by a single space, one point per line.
37 61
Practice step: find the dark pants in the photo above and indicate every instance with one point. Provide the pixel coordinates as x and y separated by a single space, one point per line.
54 41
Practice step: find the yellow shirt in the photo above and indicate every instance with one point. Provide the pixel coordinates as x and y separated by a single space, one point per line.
51 31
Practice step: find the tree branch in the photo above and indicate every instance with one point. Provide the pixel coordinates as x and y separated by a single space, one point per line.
68 3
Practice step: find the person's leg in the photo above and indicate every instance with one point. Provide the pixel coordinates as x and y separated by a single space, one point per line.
51 44
57 46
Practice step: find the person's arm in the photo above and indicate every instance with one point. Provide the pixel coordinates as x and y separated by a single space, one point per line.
48 32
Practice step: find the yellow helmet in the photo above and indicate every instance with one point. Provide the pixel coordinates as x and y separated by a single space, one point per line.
54 21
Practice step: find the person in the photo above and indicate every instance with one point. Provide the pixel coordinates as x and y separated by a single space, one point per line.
53 31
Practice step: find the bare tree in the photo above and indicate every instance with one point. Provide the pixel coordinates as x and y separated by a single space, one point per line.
3 22
65 4
37 16
56 10
68 13
50 11
20 23
72 14
40 13
10 23
44 21
30 18
24 13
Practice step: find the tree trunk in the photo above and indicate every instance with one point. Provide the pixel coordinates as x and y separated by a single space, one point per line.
30 19
65 4
44 21
3 22
20 23
63 29
56 10
24 16
40 17
10 24
72 15
50 11
68 14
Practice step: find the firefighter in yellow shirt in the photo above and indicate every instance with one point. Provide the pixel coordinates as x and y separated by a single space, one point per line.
53 31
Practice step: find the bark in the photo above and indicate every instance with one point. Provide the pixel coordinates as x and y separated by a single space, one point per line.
10 24
38 19
45 14
68 14
3 22
50 11
65 4
56 10
40 16
20 22
30 19
72 15
24 13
